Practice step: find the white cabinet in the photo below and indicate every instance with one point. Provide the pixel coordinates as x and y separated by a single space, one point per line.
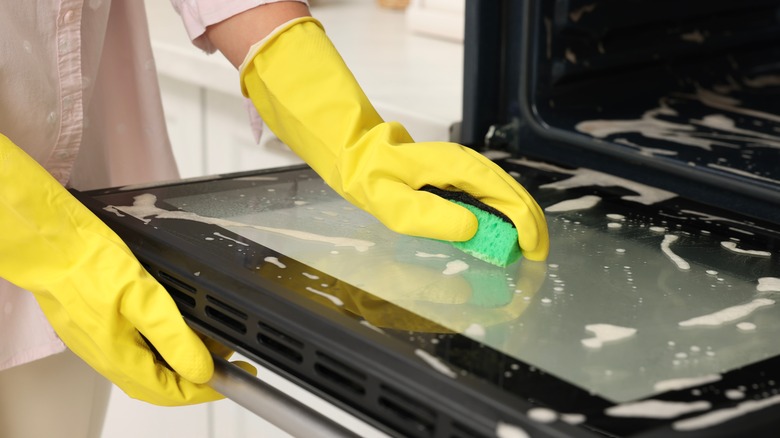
182 105
210 132
230 144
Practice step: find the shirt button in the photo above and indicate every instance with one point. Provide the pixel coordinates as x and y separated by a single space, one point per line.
68 16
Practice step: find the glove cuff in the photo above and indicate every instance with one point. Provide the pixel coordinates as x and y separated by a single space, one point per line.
256 47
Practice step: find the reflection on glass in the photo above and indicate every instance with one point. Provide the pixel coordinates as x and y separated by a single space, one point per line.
604 312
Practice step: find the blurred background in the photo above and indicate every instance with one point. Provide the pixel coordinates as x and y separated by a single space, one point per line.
407 55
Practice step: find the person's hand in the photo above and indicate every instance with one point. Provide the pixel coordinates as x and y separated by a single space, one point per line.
308 97
97 296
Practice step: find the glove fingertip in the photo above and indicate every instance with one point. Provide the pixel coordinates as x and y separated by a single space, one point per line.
246 366
193 363
452 223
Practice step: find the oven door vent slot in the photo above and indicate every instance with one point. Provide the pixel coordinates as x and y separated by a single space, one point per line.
226 307
181 292
461 431
279 343
226 320
415 416
341 374
175 282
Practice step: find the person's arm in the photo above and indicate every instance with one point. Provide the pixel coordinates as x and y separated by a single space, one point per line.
97 296
234 36
308 97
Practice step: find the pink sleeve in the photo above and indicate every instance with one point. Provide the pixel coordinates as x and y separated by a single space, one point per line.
198 14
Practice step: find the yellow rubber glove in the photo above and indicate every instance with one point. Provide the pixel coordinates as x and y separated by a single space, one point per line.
94 292
311 101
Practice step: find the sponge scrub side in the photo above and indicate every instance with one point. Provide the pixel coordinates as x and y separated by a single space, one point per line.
496 238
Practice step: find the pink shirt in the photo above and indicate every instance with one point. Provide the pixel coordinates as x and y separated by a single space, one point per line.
79 93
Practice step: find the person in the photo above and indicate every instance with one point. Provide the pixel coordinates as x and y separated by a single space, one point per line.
80 107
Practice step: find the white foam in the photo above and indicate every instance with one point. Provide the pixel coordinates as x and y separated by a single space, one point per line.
573 418
734 394
657 409
506 430
732 246
711 217
542 415
614 225
665 247
475 331
426 255
455 267
144 207
275 261
582 203
768 284
585 177
435 363
746 326
685 382
616 217
722 415
657 229
606 333
333 299
728 314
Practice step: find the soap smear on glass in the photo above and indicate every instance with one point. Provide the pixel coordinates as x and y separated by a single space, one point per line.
657 409
606 333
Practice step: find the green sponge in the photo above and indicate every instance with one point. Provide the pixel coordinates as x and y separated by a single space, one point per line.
496 238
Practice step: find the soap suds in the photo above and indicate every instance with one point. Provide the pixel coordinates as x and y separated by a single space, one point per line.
711 217
768 284
475 331
685 382
582 177
335 300
506 430
144 207
679 261
426 255
606 333
657 409
728 314
275 261
746 326
435 363
455 267
573 418
542 415
722 415
582 203
731 246
734 394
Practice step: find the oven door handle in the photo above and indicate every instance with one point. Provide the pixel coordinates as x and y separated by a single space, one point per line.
271 404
